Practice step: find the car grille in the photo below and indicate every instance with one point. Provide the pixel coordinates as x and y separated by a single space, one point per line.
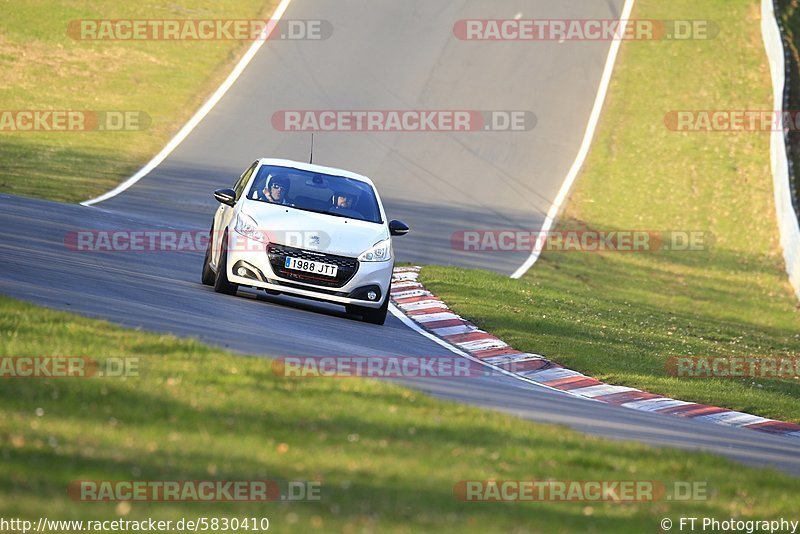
347 267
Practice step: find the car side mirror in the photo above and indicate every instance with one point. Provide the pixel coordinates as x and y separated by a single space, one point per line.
225 196
398 228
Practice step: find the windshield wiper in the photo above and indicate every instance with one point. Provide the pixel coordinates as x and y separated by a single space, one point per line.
325 212
339 215
310 209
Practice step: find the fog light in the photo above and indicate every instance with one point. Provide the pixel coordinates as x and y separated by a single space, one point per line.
372 295
242 271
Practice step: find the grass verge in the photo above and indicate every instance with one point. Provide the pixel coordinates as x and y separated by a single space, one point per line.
386 457
43 68
619 316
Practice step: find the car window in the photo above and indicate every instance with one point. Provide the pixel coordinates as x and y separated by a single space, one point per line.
312 191
242 181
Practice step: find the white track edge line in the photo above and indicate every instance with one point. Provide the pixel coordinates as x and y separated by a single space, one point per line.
406 320
187 128
414 326
588 136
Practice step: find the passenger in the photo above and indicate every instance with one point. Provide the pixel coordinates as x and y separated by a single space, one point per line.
343 200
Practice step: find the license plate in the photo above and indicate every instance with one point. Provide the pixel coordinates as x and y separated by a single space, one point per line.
316 267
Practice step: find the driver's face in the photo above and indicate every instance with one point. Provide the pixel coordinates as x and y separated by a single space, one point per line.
276 191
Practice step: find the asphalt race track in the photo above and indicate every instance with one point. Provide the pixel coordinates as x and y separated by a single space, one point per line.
439 183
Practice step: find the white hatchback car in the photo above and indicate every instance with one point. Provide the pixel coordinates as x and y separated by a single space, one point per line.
304 230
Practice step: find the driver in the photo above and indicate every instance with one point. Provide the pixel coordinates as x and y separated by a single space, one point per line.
275 190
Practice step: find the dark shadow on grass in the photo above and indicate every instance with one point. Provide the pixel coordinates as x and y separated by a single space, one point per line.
43 473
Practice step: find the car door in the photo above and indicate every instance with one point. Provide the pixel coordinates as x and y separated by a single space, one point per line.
224 213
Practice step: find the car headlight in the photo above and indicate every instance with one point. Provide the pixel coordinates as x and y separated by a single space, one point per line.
380 251
248 227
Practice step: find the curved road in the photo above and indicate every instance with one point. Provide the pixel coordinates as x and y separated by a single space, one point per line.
381 56
395 56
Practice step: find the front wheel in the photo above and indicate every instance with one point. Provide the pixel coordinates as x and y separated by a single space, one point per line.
371 315
208 278
221 283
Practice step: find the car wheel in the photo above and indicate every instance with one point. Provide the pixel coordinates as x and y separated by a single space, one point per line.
208 277
372 315
221 283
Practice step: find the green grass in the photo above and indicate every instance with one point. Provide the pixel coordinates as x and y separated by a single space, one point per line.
41 67
619 316
387 457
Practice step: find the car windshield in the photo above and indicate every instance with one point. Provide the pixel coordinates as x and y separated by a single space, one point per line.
317 192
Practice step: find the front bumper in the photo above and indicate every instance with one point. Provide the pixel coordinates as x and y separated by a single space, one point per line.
260 266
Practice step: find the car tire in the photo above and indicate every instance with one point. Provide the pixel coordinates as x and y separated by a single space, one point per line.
375 316
208 278
221 283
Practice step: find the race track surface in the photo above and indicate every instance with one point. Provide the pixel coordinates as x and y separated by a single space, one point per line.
399 56
381 56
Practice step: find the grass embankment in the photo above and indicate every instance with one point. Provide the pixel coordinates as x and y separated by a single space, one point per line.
43 68
387 457
619 316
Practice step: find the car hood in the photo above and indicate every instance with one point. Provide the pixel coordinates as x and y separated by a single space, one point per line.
315 231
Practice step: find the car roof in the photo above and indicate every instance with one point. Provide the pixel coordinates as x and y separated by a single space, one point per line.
315 168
